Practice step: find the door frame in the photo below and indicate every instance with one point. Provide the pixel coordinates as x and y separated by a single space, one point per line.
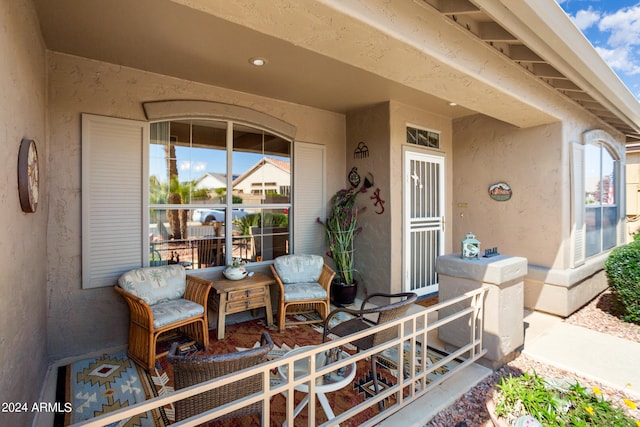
432 223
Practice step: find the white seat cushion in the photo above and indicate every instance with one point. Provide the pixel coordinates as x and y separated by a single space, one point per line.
303 291
155 284
299 268
173 311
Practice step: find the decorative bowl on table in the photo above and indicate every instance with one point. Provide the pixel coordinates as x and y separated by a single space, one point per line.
235 273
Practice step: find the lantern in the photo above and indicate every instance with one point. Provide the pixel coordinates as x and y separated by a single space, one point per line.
470 246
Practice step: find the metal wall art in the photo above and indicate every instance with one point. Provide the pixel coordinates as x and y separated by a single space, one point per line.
354 177
500 191
368 180
361 151
379 203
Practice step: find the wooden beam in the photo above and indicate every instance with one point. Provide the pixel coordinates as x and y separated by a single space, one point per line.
456 7
579 96
492 32
522 53
562 84
547 71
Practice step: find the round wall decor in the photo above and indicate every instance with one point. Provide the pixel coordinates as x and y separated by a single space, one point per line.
28 175
500 191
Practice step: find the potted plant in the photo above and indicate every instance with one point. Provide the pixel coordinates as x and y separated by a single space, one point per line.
341 227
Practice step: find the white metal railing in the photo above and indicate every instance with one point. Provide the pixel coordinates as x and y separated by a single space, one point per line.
413 381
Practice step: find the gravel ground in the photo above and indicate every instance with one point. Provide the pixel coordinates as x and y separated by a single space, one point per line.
599 315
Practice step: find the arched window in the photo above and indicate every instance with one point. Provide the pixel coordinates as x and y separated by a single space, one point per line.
602 193
601 198
198 183
218 190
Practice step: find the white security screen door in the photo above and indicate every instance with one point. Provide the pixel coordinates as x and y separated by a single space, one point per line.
424 221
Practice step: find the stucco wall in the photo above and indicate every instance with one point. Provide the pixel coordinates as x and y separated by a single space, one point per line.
23 267
536 223
372 250
85 320
633 188
536 163
529 225
379 248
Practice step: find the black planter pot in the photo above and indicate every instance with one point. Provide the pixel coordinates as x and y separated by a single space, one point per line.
343 294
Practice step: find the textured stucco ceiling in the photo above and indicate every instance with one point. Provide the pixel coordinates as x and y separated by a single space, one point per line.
319 54
167 38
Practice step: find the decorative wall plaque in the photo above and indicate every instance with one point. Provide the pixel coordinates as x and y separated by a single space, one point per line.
500 191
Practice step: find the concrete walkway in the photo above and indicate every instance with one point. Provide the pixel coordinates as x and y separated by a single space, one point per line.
610 360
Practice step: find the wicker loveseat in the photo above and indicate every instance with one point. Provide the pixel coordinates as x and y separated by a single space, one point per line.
195 369
161 299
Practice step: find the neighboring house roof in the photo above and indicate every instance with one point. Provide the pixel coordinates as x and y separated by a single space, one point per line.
343 55
214 180
280 164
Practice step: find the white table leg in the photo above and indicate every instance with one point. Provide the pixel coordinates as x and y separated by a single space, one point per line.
325 405
298 409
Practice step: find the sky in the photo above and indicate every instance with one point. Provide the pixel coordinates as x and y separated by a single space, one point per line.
613 28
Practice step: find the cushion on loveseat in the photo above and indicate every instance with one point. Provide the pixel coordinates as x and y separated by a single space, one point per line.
299 268
155 284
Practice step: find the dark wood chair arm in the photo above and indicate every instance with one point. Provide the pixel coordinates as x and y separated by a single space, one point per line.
197 290
139 310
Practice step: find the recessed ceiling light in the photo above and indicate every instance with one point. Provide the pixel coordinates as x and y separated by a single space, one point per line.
452 104
257 61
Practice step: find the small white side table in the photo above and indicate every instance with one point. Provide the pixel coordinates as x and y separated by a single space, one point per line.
333 381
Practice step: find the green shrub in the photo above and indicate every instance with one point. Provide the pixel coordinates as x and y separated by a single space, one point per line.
623 272
245 223
276 219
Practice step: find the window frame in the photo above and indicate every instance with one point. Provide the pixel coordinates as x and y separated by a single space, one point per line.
615 149
228 206
422 129
597 208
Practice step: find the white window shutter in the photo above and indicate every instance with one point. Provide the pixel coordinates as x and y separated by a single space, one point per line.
113 198
309 198
578 231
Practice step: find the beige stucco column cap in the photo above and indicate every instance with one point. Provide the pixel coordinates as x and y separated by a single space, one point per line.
495 270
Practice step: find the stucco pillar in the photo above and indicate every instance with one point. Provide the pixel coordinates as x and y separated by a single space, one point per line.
504 304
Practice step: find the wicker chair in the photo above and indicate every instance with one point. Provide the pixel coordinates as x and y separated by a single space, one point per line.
211 247
162 299
191 370
304 282
366 318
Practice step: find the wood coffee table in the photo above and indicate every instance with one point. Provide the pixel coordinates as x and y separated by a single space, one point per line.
235 296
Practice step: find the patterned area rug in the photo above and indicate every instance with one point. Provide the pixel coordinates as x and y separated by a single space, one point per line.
104 384
100 385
